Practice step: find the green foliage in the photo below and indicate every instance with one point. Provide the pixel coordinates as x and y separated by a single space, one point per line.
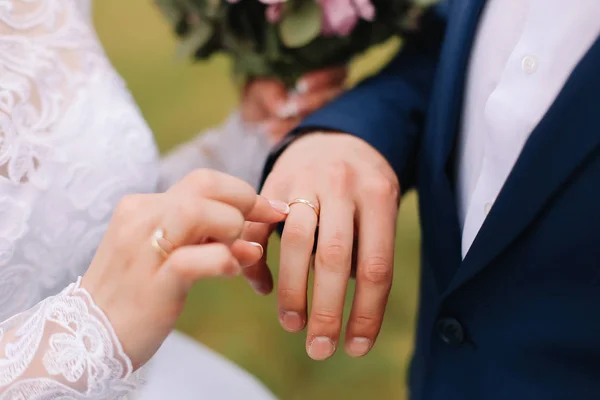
286 50
301 24
199 35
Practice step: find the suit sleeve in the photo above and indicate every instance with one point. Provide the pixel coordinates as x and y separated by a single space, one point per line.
387 110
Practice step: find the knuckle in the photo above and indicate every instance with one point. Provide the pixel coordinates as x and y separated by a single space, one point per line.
236 225
333 254
221 253
204 180
339 175
296 233
290 297
375 270
185 210
127 207
365 321
382 187
200 174
253 232
247 198
326 317
223 261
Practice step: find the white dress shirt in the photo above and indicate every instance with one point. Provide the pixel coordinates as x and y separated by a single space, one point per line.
523 54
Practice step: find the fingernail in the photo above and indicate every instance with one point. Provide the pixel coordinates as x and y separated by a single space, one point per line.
259 246
321 348
259 288
292 321
289 109
301 86
280 206
358 347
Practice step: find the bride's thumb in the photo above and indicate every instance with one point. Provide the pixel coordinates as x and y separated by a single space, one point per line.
268 211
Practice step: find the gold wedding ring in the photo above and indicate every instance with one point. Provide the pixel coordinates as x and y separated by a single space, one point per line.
306 203
160 243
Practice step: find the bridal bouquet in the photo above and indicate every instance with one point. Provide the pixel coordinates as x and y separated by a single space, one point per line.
285 39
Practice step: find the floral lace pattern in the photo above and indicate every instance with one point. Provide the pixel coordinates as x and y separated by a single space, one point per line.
77 344
72 143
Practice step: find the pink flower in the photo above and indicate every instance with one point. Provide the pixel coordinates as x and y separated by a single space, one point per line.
365 9
274 12
341 16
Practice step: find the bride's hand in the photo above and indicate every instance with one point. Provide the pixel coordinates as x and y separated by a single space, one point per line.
267 101
141 291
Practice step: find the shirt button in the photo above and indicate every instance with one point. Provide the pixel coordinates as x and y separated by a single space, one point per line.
450 331
487 208
529 64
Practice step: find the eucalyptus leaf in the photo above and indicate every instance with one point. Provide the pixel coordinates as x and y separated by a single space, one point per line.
272 44
301 24
169 9
212 8
253 64
191 5
198 37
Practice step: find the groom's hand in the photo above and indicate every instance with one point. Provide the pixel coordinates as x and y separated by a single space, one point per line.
357 193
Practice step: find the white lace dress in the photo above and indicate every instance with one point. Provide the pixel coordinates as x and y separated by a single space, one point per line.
72 143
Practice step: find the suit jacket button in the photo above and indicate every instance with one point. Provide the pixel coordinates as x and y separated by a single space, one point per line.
450 331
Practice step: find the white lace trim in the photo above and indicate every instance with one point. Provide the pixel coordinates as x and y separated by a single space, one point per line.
65 348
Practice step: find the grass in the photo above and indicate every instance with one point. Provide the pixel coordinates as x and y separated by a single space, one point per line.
179 99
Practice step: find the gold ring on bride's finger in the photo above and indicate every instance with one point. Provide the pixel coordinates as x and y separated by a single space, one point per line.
160 243
306 203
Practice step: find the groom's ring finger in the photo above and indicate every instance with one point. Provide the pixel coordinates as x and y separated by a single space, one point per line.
307 203
297 242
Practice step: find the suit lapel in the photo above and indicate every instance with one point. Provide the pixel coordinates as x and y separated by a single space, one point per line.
447 106
560 143
443 124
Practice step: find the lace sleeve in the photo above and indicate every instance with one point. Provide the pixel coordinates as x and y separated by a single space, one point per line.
235 147
65 348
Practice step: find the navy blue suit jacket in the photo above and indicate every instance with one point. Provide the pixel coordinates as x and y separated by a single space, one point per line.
519 317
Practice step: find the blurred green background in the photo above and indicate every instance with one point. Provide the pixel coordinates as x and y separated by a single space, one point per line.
178 100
